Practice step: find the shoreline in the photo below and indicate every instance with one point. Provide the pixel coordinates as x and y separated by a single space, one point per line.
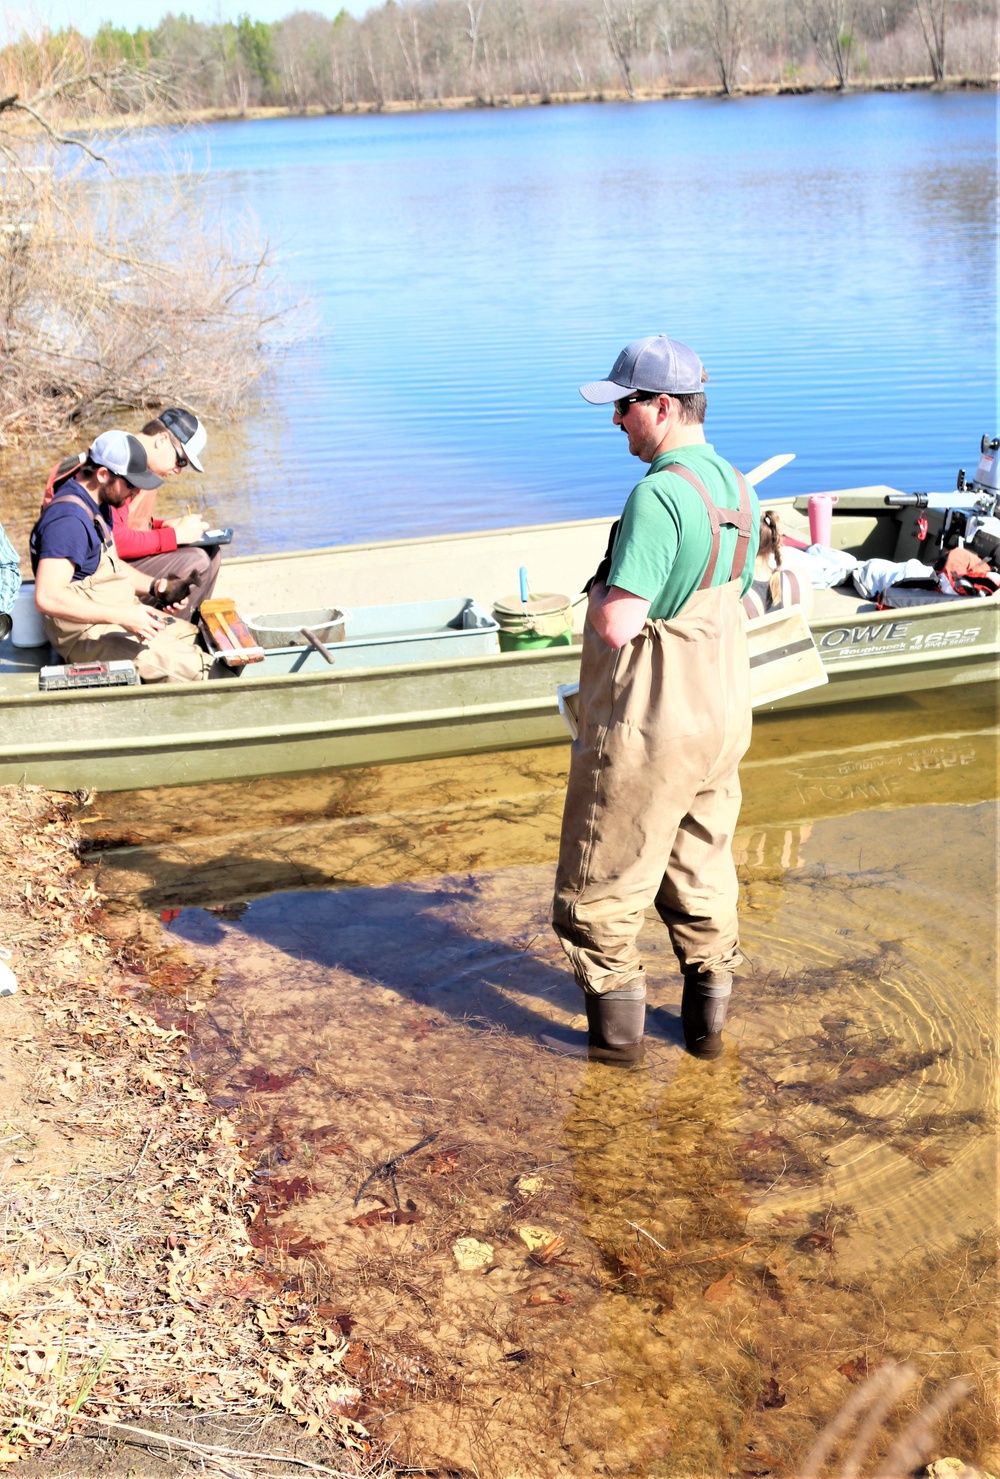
162 1235
194 116
139 1273
604 95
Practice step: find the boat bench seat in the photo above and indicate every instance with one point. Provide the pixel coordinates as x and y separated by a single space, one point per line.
26 661
839 601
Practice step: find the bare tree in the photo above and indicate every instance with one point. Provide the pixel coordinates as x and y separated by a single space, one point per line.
96 312
725 25
475 10
832 24
933 15
620 23
411 52
375 76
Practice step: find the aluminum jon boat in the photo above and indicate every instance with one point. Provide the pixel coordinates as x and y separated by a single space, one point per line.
296 713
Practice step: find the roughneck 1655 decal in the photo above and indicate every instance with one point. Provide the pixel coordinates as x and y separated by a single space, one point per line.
879 639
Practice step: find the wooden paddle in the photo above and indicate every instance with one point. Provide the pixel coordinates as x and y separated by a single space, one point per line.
767 468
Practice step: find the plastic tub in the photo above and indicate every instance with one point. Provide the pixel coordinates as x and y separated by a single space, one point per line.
28 629
284 628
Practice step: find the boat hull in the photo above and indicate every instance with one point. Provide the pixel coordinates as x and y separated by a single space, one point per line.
321 717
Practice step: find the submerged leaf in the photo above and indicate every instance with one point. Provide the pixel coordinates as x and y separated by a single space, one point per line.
721 1289
396 1215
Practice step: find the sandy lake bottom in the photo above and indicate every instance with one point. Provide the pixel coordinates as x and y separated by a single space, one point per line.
679 1270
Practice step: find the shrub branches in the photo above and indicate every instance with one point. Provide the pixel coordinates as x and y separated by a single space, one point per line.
99 311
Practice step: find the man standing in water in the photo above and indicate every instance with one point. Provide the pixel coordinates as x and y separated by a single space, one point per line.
664 715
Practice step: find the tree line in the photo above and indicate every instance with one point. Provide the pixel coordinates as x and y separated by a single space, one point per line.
496 52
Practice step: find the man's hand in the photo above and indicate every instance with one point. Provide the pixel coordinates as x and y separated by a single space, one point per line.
142 620
55 596
616 615
188 527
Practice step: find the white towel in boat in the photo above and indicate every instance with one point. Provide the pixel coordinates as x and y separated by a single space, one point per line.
829 566
875 576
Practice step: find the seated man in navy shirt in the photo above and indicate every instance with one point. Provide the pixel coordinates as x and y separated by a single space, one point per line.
89 597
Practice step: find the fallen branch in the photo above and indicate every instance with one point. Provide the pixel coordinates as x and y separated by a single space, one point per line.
691 1262
186 1445
129 1174
387 1170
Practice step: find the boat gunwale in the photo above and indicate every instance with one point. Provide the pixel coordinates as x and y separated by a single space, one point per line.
422 539
543 656
265 733
876 491
905 613
319 676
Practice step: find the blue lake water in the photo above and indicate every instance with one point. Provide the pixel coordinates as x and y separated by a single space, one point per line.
833 260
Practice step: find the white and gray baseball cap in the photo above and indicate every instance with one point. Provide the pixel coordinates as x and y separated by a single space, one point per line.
658 364
188 430
122 454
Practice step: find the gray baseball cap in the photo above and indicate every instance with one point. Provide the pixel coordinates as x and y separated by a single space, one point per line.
659 364
121 454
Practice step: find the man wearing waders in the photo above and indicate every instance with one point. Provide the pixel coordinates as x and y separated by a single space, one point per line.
664 716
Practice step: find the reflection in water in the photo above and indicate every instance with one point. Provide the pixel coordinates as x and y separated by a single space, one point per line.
382 824
741 1241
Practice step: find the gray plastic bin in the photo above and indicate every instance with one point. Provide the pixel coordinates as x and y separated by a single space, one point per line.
383 636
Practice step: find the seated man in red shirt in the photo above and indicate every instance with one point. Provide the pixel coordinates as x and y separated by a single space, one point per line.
158 547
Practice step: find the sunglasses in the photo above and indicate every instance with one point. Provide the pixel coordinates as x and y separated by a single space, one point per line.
622 406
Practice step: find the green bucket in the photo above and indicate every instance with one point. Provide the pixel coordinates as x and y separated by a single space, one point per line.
541 621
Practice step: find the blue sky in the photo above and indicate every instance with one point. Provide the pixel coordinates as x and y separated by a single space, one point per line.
87 15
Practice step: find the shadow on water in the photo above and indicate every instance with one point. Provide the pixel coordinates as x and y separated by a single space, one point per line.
688 1267
419 942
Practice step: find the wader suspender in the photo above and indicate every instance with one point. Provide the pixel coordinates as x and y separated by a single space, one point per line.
754 606
96 519
718 516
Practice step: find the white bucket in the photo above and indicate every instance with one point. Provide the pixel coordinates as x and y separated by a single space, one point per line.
28 630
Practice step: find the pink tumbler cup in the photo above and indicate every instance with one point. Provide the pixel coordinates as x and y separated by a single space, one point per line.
821 516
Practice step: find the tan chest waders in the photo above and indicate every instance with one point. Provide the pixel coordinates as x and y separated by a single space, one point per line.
170 654
654 794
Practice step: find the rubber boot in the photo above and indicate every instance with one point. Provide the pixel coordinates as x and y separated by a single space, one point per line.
615 1023
703 1011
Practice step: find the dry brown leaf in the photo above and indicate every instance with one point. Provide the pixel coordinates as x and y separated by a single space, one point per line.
443 1163
721 1289
395 1215
855 1370
551 1251
770 1395
548 1296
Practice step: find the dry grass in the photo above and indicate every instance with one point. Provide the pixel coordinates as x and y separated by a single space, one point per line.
132 1285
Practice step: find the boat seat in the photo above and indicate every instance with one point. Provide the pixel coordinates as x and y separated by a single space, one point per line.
840 601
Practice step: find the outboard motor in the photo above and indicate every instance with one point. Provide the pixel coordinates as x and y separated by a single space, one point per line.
971 515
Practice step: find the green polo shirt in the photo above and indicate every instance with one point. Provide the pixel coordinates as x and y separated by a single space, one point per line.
664 538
